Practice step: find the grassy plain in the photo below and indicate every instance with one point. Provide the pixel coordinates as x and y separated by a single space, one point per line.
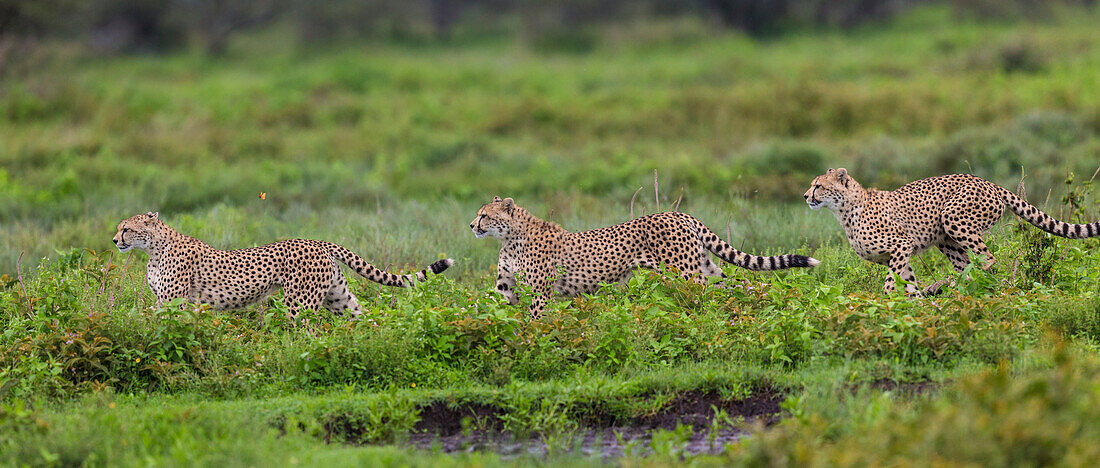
389 148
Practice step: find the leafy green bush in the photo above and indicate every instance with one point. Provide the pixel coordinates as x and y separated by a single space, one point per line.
1042 417
443 333
1078 317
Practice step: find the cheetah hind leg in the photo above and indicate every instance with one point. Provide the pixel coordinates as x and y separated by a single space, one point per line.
955 250
297 298
695 269
339 298
936 288
957 255
974 243
506 286
710 269
968 238
978 215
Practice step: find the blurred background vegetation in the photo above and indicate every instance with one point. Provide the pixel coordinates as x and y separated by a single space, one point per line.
383 125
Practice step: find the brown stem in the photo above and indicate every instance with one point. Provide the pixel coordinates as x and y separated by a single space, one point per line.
656 196
125 268
138 291
106 268
632 202
19 274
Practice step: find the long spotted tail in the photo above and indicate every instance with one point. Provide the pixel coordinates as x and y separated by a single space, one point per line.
380 276
1030 213
726 252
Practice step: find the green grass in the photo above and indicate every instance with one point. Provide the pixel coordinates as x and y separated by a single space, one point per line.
181 380
390 148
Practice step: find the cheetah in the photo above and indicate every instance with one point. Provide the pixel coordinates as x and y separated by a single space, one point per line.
539 249
948 212
184 267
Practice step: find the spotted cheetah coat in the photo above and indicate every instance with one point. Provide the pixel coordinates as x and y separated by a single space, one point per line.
949 212
184 267
551 259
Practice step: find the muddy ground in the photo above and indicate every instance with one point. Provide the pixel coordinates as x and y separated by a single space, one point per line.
598 434
474 427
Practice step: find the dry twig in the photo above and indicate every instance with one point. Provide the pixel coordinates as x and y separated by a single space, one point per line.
106 269
632 202
676 207
729 230
125 268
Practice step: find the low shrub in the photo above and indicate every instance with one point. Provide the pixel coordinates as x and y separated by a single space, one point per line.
1042 417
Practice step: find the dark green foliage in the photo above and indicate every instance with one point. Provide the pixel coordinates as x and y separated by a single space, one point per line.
1040 417
1078 318
443 333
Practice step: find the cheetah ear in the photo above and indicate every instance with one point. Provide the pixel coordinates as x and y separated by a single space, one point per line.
496 199
842 173
152 214
509 205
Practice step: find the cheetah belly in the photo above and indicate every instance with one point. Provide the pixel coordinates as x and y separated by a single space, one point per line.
921 223
871 253
235 283
872 236
587 265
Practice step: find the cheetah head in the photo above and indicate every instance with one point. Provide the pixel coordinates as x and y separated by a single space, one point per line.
830 189
137 231
494 219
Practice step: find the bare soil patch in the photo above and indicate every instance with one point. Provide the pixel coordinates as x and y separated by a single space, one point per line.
477 427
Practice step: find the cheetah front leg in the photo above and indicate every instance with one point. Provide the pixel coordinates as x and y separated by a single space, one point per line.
540 290
506 285
538 278
179 287
900 268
